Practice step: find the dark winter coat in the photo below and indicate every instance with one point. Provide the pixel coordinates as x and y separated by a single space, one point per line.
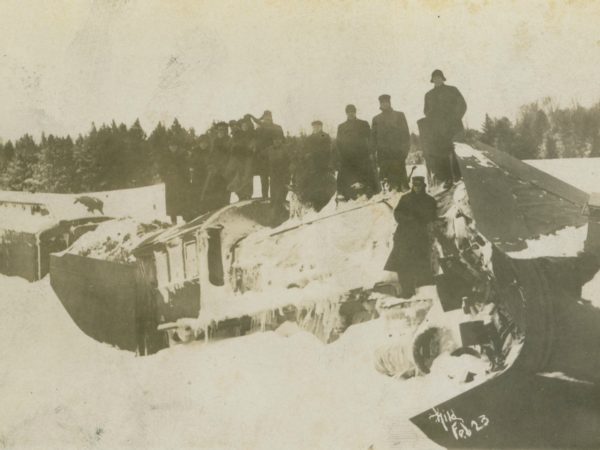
265 135
444 108
314 180
353 155
175 174
216 194
412 249
390 136
241 163
279 171
198 173
317 152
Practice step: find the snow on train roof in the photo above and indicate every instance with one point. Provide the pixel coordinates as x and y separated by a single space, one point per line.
146 203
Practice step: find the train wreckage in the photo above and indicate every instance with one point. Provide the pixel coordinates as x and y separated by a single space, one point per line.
524 338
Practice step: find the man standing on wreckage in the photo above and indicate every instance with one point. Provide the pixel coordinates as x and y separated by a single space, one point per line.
444 109
411 255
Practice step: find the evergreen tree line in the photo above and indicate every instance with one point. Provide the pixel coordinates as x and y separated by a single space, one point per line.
543 130
109 157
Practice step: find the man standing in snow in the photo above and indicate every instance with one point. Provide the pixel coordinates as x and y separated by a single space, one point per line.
411 255
354 156
265 135
444 110
391 140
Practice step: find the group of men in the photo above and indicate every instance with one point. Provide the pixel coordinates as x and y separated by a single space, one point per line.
417 211
225 161
371 156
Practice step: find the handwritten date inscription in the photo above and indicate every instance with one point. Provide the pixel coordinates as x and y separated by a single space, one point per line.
458 426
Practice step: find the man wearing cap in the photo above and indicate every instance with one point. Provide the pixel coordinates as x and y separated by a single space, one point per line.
354 156
444 109
265 135
391 140
314 182
411 255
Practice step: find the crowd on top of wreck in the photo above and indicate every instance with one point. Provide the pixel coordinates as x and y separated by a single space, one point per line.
363 160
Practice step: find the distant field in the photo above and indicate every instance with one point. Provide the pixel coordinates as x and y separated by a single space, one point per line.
583 173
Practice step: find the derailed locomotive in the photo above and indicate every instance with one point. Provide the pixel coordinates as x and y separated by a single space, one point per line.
229 273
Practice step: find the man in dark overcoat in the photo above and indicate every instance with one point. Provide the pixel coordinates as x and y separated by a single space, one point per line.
174 173
215 193
314 181
266 133
411 255
391 141
241 160
279 173
354 156
198 172
444 109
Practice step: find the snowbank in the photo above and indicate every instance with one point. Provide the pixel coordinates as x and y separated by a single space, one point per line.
60 389
566 242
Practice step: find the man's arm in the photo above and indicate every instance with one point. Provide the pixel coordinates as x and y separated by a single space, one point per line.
427 107
374 132
405 133
461 105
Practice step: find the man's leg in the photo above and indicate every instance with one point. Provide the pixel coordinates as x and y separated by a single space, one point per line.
407 283
402 175
264 183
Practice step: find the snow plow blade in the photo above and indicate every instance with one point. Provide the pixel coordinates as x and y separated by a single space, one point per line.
548 396
513 201
100 296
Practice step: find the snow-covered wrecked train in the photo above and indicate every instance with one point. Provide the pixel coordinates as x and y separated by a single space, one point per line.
229 272
513 321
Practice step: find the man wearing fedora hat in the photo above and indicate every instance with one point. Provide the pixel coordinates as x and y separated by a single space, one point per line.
444 109
411 255
391 141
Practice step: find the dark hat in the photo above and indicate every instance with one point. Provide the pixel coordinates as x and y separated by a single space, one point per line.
437 72
418 180
350 108
222 125
267 113
316 122
384 98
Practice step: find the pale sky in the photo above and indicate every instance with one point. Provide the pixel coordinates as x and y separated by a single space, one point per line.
65 64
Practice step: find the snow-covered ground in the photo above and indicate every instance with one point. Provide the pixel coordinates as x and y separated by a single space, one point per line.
60 389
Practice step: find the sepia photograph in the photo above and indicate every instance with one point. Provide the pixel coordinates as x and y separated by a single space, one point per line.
299 224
